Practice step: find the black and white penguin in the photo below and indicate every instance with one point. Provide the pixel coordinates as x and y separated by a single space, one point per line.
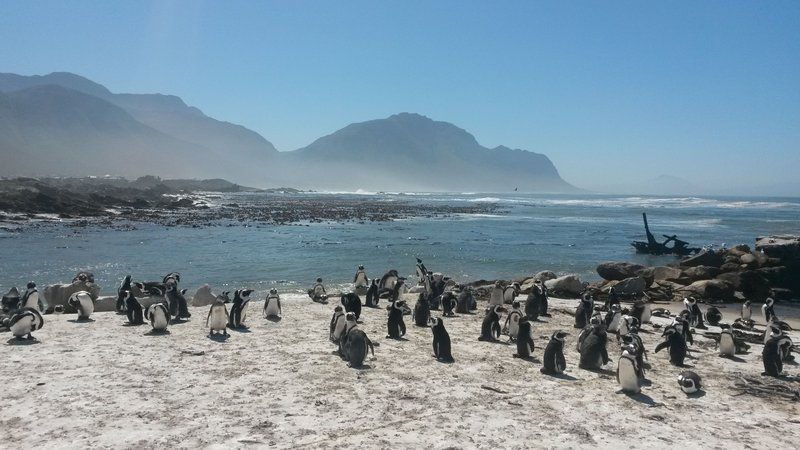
595 320
713 316
771 355
768 310
525 344
337 324
466 302
490 328
238 313
174 276
448 304
689 382
511 327
317 292
553 362
628 371
133 309
217 319
584 310
695 314
634 343
178 308
272 305
122 290
158 316
422 311
360 279
395 324
642 311
613 318
387 283
681 324
593 350
24 322
441 340
350 324
351 303
626 324
496 296
83 303
544 301
727 343
677 346
372 294
31 299
355 346
511 292
533 304
747 310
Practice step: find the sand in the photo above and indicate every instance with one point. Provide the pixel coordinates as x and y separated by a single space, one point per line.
102 384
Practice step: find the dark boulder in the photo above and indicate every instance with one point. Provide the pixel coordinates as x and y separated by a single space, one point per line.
705 258
618 271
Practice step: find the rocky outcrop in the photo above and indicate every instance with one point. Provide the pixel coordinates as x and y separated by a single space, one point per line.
203 296
618 271
569 286
58 294
715 290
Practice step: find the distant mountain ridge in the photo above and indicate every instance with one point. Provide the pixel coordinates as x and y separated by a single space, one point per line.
63 124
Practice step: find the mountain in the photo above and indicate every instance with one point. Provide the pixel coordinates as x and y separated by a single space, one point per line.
412 152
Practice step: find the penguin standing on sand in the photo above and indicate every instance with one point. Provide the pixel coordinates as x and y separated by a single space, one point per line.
395 324
272 305
441 340
158 316
544 302
355 347
771 355
593 350
448 304
490 328
133 309
727 343
642 311
584 310
695 314
511 327
337 324
677 346
83 303
713 316
747 310
533 303
30 299
350 324
466 302
628 371
525 344
217 319
178 307
238 314
768 310
124 286
372 294
511 292
613 318
24 322
360 279
351 303
422 311
553 362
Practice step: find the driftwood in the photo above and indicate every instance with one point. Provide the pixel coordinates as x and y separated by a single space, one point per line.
653 247
758 387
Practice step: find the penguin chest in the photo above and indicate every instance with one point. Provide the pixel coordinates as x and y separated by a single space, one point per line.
32 301
496 298
627 375
513 326
86 307
243 312
614 324
159 320
22 327
646 314
746 313
338 328
217 321
726 345
272 308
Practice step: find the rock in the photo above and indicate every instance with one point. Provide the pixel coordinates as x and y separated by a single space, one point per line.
730 267
664 273
754 285
783 247
618 271
527 283
734 278
568 286
633 285
701 273
749 260
58 294
739 250
545 275
203 296
719 290
704 258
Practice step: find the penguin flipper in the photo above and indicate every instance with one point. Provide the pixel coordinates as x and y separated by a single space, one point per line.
661 346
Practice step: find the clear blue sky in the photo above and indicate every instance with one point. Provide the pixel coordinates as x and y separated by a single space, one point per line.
609 90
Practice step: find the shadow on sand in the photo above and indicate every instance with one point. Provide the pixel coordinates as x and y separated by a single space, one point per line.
157 333
274 319
23 341
219 337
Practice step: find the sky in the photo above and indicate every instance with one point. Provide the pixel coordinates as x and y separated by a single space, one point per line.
615 93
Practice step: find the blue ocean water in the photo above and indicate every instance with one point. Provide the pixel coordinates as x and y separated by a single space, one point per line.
566 234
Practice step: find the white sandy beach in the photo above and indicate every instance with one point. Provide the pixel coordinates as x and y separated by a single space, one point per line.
102 384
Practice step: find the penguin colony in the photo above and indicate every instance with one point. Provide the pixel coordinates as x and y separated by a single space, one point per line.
23 316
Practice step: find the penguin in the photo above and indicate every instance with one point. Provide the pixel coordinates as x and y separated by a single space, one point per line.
533 303
544 301
350 324
511 327
272 305
158 315
133 309
511 292
83 303
634 341
626 323
768 310
553 362
317 293
677 346
25 321
593 350
422 311
387 283
596 320
713 316
727 343
355 346
337 324
613 318
747 310
395 324
448 304
689 382
786 345
238 313
122 290
681 325
421 270
642 311
360 279
771 355
496 297
436 290
441 340
524 339
695 314
351 303
628 371
490 328
466 302
584 310
217 319
176 300
372 294
174 276
31 299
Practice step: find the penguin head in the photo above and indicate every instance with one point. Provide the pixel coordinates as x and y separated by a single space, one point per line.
516 304
498 309
350 317
171 285
434 321
319 280
338 309
775 330
596 319
31 285
58 309
273 291
360 267
669 331
245 293
747 303
559 335
769 301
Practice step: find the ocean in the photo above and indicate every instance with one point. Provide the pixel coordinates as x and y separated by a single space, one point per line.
528 233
